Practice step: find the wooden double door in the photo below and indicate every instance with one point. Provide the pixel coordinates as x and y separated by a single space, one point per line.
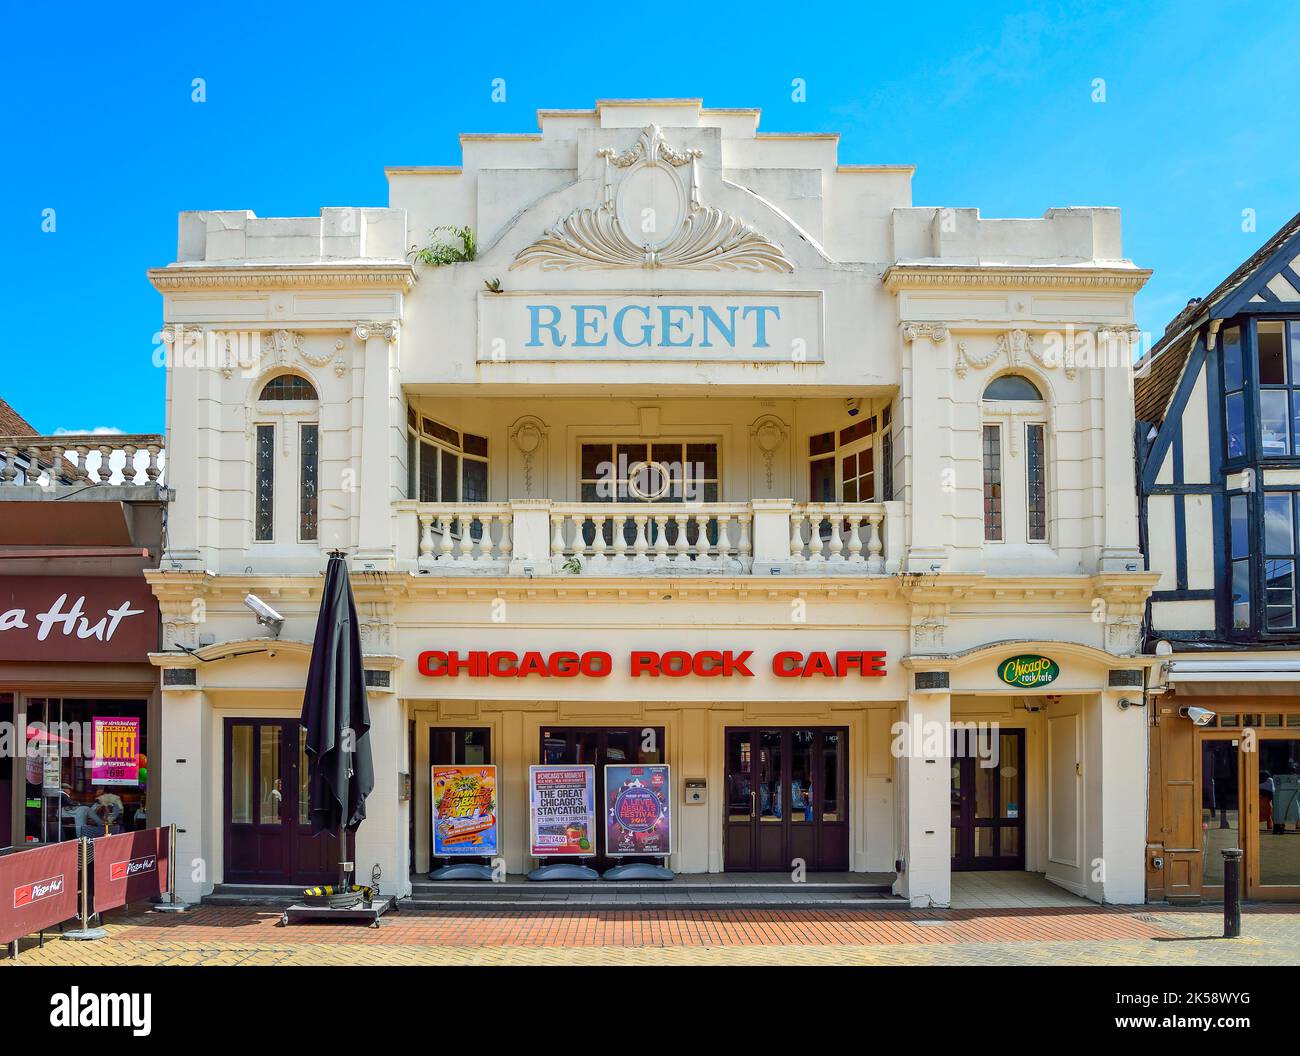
988 800
268 836
1250 799
787 798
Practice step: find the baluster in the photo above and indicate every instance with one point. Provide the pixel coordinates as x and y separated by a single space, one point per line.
724 536
105 470
660 523
599 556
153 470
620 540
875 562
744 548
506 545
472 546
836 542
445 544
83 470
33 464
640 543
557 535
11 466
426 536
796 535
855 539
57 462
701 538
815 554
128 467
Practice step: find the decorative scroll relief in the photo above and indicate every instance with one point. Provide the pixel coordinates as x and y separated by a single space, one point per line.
694 237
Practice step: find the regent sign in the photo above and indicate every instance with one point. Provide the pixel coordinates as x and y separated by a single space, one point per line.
771 327
707 663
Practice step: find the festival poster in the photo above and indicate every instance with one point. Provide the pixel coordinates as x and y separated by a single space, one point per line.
638 802
464 810
117 752
562 806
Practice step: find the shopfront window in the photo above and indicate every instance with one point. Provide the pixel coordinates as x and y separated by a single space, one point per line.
87 768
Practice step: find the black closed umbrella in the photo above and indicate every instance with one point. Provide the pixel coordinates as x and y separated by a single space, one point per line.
336 717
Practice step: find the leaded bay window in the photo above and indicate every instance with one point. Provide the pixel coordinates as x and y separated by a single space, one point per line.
308 472
294 443
993 483
444 464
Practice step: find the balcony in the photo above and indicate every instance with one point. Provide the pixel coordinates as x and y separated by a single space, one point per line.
542 537
117 466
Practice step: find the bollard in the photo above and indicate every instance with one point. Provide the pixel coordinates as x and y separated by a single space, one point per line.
1232 892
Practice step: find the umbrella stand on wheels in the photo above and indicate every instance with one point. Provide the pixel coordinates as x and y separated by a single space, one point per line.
340 772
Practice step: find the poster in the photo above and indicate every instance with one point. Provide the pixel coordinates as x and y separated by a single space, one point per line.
562 808
464 810
117 752
638 804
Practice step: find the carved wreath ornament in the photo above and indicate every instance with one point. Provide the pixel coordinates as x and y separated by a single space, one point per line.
699 237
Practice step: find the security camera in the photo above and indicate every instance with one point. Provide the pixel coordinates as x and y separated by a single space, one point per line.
1199 716
266 615
854 407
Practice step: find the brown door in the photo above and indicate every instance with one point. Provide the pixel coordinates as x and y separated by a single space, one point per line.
786 799
1272 779
597 746
988 802
268 836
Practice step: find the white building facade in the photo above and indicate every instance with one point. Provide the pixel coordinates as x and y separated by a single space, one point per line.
808 463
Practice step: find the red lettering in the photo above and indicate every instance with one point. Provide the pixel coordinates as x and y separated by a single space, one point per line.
495 661
563 665
425 664
597 665
532 664
737 665
780 664
818 664
707 664
876 665
675 664
645 664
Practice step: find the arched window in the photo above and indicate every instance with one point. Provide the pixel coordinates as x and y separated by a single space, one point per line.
1012 387
288 387
1015 498
288 461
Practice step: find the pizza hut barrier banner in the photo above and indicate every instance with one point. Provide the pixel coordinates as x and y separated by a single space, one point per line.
130 867
38 889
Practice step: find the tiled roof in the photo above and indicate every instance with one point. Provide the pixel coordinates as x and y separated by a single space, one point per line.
14 424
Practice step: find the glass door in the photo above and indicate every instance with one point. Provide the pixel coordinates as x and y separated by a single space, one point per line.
1273 847
786 799
1220 805
988 801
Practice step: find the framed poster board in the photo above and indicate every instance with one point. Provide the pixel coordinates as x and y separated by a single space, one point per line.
464 811
638 810
562 811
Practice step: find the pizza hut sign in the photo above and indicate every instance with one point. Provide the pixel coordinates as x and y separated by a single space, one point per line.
91 618
133 867
27 894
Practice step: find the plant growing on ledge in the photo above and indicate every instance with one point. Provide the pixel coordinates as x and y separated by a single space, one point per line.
442 250
573 566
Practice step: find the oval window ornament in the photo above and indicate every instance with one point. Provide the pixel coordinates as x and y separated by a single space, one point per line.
1028 671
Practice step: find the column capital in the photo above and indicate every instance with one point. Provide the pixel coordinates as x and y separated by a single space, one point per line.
934 332
387 330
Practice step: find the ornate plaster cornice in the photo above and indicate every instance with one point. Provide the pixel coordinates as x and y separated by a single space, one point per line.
391 276
1046 277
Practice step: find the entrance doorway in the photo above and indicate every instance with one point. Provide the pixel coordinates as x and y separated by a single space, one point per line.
988 801
787 798
1250 799
268 836
597 746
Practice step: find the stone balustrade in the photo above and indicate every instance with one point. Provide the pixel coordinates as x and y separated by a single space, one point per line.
540 537
58 463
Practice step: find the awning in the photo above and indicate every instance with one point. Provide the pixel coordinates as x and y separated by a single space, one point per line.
1230 677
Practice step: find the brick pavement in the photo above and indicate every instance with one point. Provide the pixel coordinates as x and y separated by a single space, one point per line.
1050 935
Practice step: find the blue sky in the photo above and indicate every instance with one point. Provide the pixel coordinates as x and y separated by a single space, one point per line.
993 103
